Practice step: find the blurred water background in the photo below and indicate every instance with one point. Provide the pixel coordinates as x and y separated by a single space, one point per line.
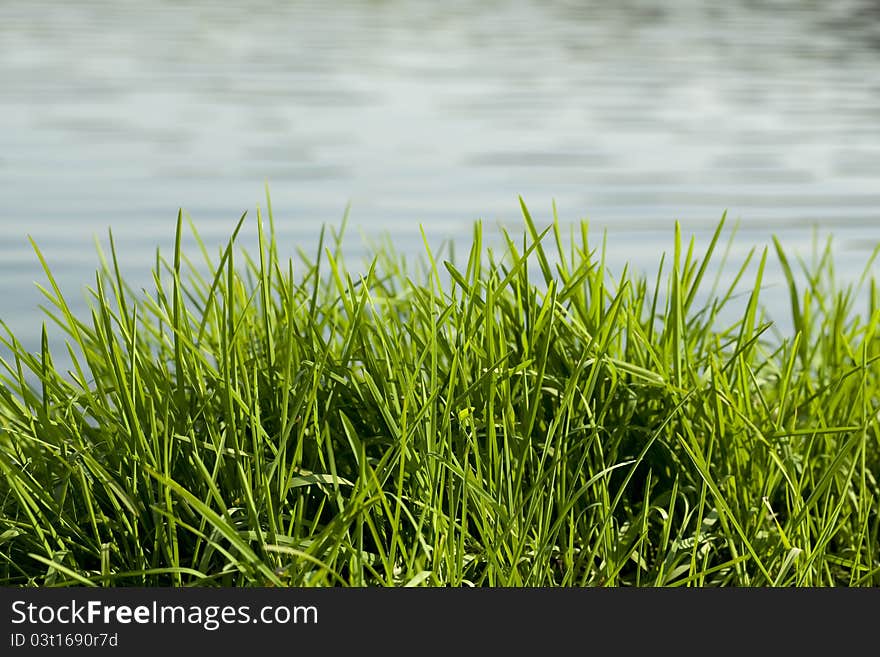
632 114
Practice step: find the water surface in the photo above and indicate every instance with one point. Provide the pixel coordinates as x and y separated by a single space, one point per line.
630 114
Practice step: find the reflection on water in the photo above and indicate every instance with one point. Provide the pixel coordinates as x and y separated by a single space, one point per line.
631 114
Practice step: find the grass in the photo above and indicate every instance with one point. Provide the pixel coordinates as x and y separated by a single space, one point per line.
521 418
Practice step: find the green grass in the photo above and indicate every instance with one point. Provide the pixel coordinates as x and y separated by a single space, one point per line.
518 418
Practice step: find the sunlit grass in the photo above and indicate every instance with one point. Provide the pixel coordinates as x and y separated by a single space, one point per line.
518 418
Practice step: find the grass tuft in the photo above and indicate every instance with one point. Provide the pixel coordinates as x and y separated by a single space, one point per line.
522 418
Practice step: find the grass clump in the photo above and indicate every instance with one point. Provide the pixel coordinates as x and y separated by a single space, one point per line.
521 418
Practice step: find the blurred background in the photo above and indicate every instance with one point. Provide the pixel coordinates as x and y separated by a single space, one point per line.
631 114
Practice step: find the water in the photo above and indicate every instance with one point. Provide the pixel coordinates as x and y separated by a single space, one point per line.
630 114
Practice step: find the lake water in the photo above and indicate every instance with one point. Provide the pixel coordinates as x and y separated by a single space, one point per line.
631 114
